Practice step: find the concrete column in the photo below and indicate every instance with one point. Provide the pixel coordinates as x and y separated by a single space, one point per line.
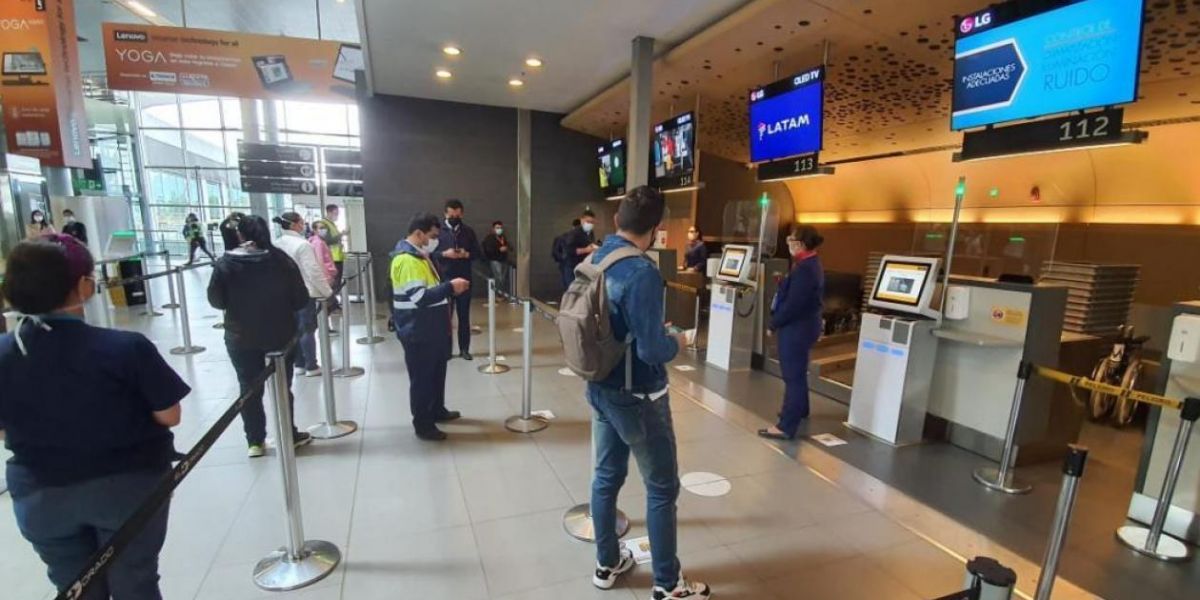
637 142
250 133
524 200
271 130
58 182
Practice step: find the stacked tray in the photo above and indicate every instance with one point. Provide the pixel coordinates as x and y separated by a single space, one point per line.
873 261
1098 295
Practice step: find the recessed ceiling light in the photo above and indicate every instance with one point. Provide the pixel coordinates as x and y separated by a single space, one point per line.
515 82
443 74
451 50
533 61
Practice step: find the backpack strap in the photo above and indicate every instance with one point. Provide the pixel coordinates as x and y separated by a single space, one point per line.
616 256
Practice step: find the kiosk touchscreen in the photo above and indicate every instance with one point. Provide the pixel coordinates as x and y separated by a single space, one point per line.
735 265
896 352
732 309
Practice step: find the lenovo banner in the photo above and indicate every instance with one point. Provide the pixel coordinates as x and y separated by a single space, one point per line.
150 58
41 89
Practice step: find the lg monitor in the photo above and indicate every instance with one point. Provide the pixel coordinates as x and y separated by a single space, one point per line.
674 152
905 284
735 265
1009 66
611 159
786 116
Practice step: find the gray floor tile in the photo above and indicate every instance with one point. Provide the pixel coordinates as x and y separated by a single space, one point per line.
530 552
439 565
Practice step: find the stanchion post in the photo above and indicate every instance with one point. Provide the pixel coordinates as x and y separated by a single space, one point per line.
1151 541
1001 478
987 579
358 280
526 422
492 367
148 309
302 562
104 303
346 370
512 285
170 282
187 347
695 345
577 521
370 338
332 427
1072 473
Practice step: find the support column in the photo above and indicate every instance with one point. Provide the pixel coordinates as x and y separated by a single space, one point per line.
524 199
637 142
58 183
251 133
271 131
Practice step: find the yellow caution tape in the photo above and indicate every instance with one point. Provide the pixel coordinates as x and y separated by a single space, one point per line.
1077 381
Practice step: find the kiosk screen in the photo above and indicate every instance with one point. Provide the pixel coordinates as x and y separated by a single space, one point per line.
902 282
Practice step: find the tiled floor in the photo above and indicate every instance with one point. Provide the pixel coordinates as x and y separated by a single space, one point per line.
480 516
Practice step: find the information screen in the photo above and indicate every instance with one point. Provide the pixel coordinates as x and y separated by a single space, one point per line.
785 116
611 157
902 282
734 264
1079 56
673 152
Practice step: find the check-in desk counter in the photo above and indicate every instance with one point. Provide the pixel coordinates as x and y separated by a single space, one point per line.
994 327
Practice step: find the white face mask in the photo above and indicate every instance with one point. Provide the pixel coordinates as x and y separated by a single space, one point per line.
691 236
588 227
71 219
38 218
499 231
429 246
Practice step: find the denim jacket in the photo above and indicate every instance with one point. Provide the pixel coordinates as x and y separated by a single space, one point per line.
635 293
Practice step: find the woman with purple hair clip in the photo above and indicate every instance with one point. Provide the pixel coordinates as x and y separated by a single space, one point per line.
87 414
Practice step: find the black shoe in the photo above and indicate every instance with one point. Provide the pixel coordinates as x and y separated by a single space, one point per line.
450 415
466 356
771 435
432 435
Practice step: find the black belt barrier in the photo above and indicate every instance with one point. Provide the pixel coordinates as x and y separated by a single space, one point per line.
100 562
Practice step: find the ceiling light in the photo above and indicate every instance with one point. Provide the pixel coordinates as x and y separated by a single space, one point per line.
443 74
140 9
533 61
515 82
451 51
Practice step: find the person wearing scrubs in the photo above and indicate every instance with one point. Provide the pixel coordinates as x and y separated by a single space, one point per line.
796 321
88 414
696 257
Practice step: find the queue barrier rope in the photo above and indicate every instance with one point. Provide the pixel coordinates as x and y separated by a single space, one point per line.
102 559
114 282
1078 381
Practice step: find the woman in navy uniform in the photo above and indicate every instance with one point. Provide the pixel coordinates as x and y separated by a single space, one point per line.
796 320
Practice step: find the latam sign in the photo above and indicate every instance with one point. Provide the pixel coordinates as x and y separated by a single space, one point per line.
785 116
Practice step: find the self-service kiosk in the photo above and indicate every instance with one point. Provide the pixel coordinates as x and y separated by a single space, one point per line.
732 309
896 352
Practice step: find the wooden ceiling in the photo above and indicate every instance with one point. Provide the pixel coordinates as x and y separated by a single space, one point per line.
890 67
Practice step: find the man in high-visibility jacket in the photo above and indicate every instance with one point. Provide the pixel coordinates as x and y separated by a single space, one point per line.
421 316
327 230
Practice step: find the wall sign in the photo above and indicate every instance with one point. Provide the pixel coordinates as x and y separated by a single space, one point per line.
40 85
1101 128
278 169
228 63
791 168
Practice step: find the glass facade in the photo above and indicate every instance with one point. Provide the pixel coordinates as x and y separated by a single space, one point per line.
190 153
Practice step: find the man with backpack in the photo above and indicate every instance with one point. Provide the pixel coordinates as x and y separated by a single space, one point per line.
611 323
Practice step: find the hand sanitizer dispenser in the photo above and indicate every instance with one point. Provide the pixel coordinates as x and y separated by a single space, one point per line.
1185 339
958 303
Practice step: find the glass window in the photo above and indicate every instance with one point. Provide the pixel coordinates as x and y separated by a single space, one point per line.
157 110
200 112
206 149
231 112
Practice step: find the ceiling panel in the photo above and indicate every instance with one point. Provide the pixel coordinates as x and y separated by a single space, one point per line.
889 78
585 45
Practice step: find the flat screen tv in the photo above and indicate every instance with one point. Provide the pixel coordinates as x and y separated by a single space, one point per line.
1009 66
785 116
611 159
673 152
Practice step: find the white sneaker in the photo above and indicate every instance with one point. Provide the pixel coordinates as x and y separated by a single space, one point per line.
313 372
684 589
605 577
255 451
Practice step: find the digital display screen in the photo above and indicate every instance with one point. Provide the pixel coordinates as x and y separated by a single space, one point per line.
349 60
611 157
673 152
785 116
1082 55
901 282
272 69
24 63
735 264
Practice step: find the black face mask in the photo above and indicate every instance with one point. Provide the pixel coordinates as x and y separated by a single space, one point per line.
454 221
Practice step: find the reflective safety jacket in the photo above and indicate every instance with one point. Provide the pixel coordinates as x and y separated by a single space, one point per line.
333 239
420 299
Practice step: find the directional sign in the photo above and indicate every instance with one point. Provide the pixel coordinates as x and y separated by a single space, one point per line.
344 188
262 185
276 152
344 172
251 168
339 156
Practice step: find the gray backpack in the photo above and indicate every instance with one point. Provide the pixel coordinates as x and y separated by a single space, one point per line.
583 320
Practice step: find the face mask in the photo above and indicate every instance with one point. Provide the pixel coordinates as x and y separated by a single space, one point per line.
38 218
429 246
70 219
691 237
454 221
499 231
588 227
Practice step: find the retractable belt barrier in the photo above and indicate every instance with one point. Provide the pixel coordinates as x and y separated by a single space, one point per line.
986 579
103 558
1077 381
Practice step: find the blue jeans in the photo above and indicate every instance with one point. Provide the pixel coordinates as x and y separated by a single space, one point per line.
67 524
306 324
624 423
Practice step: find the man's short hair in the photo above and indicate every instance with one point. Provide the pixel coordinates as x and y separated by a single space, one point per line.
575 222
495 223
330 207
454 204
589 213
68 211
641 210
424 222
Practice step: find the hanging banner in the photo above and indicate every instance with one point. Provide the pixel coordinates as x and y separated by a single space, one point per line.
150 58
41 89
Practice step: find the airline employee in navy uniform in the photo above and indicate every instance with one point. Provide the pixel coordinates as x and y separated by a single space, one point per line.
457 247
796 321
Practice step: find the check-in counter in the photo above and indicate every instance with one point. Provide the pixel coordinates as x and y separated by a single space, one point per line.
989 329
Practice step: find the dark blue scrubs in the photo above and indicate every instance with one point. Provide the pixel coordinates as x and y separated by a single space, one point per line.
796 319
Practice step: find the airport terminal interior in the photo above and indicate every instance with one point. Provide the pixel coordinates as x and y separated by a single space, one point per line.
1002 200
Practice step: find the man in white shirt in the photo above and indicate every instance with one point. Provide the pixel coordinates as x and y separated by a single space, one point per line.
293 243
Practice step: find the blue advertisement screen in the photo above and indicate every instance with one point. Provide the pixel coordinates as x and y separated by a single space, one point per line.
1080 56
785 117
